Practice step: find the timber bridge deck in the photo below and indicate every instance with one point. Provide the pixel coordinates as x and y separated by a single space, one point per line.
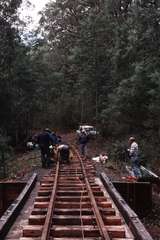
72 203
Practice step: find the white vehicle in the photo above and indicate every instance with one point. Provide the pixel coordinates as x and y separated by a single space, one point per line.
90 130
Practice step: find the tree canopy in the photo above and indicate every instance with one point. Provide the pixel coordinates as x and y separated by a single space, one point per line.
95 62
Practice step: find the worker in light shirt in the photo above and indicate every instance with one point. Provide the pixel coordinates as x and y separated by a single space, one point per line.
134 157
63 152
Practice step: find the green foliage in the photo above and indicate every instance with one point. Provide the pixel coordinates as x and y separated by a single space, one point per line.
6 153
107 55
98 63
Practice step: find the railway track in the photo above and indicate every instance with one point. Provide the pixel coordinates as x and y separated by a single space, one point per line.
71 204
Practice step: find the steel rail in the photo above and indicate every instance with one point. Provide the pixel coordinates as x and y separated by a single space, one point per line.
99 220
48 220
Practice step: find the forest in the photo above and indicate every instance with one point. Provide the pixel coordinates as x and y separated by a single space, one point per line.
95 62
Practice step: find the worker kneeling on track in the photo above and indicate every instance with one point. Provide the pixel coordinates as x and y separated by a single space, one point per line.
63 152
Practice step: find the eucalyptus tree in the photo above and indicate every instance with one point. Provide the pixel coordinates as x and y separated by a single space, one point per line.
104 58
8 38
16 82
71 29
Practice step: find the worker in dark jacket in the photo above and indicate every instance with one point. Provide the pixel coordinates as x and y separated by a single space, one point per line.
44 141
54 138
83 140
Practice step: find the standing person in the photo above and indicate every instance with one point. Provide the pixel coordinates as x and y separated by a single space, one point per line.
44 141
134 157
83 140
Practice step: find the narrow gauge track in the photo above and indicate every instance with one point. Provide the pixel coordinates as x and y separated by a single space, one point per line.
72 205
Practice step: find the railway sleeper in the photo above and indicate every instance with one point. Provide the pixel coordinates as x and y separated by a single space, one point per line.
78 198
82 204
44 184
42 188
78 184
73 219
69 178
75 187
39 211
37 219
78 193
74 231
74 211
68 173
72 205
41 204
28 238
83 211
85 220
88 231
72 188
80 238
42 199
71 184
75 173
48 179
44 193
32 231
86 238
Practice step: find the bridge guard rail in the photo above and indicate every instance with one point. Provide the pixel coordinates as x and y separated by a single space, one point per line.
136 226
12 212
